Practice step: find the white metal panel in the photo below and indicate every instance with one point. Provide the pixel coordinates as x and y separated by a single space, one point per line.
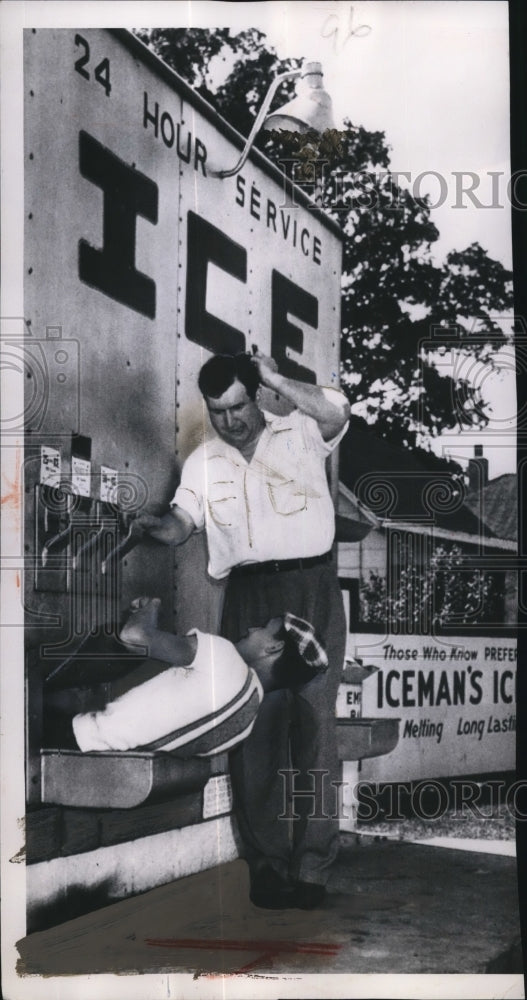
95 184
137 255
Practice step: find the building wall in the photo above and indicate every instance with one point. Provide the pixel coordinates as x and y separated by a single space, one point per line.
139 264
142 263
356 559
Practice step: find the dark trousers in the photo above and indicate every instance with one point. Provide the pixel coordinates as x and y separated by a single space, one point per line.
294 730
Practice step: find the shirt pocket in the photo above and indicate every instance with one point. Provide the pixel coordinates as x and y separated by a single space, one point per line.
223 503
289 497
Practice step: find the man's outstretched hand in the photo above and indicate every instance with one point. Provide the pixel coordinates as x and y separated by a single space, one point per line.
145 524
173 528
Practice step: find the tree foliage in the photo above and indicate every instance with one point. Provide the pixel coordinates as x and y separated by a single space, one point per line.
401 310
203 57
442 593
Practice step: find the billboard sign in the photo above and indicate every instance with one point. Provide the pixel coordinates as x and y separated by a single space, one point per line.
455 698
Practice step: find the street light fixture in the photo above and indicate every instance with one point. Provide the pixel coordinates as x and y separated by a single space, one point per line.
310 111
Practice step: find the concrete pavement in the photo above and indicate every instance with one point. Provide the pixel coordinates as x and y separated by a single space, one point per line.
392 907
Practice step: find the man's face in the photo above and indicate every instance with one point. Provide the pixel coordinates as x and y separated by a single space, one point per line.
260 649
235 416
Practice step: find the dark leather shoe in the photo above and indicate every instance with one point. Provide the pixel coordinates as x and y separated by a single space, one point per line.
270 891
308 895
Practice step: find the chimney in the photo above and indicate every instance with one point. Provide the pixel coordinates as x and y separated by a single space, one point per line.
478 470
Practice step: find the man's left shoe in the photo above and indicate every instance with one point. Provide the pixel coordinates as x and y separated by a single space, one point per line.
308 895
270 891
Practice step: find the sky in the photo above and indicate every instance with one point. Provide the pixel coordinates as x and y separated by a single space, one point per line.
431 74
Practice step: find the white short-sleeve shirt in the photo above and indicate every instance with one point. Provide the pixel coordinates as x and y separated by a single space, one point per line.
277 506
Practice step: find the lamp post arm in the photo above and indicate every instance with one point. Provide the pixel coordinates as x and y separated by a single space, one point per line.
281 78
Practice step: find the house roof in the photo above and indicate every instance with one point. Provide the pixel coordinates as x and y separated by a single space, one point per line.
394 485
352 521
496 505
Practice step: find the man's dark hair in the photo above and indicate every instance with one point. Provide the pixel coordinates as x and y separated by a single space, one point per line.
219 372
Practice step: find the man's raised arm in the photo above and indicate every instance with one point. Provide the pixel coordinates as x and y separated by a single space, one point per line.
329 407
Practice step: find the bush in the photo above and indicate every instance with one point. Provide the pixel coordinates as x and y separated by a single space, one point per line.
421 598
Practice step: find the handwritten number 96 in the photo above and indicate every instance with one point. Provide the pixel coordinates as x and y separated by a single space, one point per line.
341 27
101 71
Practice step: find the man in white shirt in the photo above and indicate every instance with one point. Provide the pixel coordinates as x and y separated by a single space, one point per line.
259 489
